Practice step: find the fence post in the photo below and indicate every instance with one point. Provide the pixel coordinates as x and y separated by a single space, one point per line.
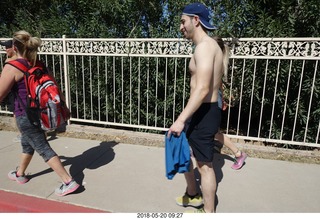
65 70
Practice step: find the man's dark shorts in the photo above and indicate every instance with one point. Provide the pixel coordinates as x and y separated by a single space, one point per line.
204 124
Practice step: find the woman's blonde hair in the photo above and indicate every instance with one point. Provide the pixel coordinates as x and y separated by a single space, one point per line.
226 53
27 45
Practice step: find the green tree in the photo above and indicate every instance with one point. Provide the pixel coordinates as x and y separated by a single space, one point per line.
266 18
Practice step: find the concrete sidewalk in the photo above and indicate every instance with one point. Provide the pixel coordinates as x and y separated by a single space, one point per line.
126 178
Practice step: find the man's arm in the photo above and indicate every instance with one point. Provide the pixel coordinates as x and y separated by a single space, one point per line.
7 80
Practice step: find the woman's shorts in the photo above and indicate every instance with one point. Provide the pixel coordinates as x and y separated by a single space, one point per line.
34 139
204 124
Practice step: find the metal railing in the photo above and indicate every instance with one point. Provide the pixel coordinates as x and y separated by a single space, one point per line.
272 87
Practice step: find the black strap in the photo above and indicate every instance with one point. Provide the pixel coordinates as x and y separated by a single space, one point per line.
23 67
16 95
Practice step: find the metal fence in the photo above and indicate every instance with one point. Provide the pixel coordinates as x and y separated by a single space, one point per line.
272 88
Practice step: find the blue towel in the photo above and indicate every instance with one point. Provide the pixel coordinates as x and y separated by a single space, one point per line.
177 155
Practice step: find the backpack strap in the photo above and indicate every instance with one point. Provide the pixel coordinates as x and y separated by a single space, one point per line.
19 99
17 63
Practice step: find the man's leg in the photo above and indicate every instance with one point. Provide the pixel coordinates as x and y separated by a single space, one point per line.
191 197
208 185
191 181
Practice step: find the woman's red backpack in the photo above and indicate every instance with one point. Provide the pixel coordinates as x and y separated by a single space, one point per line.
44 108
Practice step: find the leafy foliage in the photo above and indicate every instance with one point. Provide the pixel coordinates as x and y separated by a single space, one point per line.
139 18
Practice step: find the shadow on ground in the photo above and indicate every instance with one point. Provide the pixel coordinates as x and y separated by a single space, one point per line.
92 158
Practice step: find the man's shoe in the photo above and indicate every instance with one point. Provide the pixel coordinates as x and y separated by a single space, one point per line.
186 200
200 210
239 161
19 179
66 189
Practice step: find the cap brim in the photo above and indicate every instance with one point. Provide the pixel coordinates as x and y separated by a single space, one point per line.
207 25
6 44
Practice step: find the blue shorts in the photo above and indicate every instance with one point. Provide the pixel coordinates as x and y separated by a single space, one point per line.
34 139
204 124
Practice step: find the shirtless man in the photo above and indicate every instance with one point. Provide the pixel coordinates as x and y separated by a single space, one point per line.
11 55
206 69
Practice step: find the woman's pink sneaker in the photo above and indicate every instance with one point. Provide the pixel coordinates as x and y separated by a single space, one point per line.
19 179
239 161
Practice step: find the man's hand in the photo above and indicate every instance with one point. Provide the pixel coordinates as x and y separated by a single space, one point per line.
176 128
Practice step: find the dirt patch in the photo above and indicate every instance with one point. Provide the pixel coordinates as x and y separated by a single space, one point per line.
156 140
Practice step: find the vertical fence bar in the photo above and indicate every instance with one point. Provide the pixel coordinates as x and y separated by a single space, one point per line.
91 86
286 100
99 90
184 82
61 72
148 89
114 89
263 96
130 91
106 85
139 90
310 102
317 138
230 95
66 73
252 95
241 91
274 99
298 102
83 90
174 91
76 79
157 84
165 94
122 91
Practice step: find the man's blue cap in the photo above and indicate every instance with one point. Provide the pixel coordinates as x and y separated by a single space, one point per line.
200 10
7 44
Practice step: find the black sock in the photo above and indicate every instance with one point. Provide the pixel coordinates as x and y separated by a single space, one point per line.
191 196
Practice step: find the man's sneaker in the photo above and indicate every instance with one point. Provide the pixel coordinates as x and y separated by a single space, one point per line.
186 200
19 179
65 189
200 210
239 161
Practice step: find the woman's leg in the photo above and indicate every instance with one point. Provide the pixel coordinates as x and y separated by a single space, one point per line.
225 140
24 163
57 167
